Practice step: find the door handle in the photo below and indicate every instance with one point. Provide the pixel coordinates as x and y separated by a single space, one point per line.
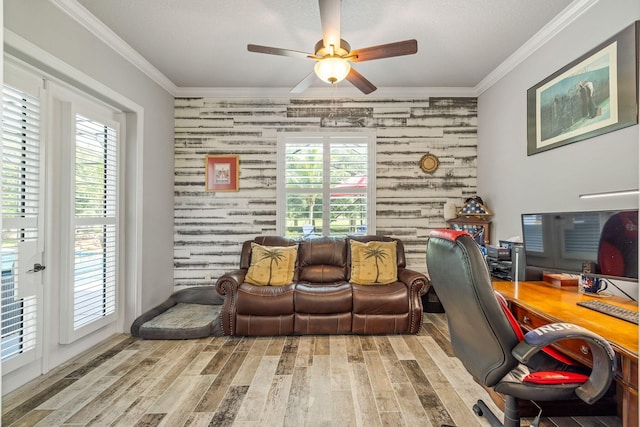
36 267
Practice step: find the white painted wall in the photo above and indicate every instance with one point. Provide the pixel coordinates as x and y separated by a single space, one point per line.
46 26
511 182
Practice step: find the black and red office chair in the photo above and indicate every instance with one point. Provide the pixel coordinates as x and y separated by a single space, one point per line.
488 340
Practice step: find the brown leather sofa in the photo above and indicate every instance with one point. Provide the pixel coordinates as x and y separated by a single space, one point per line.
320 299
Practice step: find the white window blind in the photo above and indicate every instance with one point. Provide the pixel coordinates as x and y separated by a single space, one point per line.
533 232
326 185
581 236
95 210
20 209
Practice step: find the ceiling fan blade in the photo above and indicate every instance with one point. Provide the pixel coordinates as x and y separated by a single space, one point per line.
356 79
330 19
277 51
305 83
406 47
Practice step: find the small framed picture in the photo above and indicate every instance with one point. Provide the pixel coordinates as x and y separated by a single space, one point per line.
222 172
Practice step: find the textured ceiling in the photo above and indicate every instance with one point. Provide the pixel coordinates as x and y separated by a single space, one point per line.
202 43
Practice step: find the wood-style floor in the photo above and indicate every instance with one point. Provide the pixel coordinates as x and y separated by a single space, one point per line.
282 381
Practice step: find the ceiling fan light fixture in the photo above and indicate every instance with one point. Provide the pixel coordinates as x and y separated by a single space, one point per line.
332 69
333 54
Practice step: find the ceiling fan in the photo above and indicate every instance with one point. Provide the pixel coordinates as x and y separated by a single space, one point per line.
334 55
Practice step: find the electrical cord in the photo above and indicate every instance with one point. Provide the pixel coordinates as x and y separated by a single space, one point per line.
618 288
609 282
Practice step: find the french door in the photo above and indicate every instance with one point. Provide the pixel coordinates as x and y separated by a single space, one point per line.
22 219
60 248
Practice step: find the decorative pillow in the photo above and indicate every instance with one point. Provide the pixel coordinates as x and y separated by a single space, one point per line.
271 265
373 263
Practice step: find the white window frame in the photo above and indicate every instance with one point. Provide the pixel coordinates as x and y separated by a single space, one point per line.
73 104
326 138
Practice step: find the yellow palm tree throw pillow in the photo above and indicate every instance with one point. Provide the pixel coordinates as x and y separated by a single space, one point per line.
271 265
373 263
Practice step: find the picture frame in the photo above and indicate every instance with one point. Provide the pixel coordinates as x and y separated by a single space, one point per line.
222 172
595 94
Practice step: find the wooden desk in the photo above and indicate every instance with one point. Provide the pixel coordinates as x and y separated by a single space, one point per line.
538 303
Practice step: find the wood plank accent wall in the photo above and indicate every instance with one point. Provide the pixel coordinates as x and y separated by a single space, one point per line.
210 227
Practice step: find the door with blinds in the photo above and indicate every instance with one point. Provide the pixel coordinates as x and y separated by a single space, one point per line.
61 214
22 220
91 239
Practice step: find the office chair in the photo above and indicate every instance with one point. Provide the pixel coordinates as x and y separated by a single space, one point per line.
486 337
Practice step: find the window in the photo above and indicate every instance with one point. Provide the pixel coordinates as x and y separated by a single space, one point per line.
95 221
533 232
326 184
581 235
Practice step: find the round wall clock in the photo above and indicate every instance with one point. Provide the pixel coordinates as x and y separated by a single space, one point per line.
429 163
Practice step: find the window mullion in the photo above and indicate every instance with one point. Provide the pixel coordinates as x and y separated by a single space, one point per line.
326 187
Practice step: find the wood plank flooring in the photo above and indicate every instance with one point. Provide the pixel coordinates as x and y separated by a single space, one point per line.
400 380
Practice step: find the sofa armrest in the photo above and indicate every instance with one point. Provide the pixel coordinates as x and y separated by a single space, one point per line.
230 282
418 285
227 286
417 282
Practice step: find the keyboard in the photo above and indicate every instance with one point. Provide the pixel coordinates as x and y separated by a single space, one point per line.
611 310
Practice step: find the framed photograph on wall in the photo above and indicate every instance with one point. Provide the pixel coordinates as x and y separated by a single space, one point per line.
595 94
222 172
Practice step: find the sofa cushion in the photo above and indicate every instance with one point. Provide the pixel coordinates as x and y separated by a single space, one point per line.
402 262
323 298
245 254
373 263
390 299
271 265
322 273
251 325
322 260
322 324
265 300
381 323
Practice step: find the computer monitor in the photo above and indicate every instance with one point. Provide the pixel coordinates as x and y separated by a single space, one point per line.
602 243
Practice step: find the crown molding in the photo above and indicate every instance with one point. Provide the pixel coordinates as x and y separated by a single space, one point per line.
550 30
323 92
53 67
96 27
81 15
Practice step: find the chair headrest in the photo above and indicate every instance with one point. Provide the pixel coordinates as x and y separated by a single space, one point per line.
448 234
